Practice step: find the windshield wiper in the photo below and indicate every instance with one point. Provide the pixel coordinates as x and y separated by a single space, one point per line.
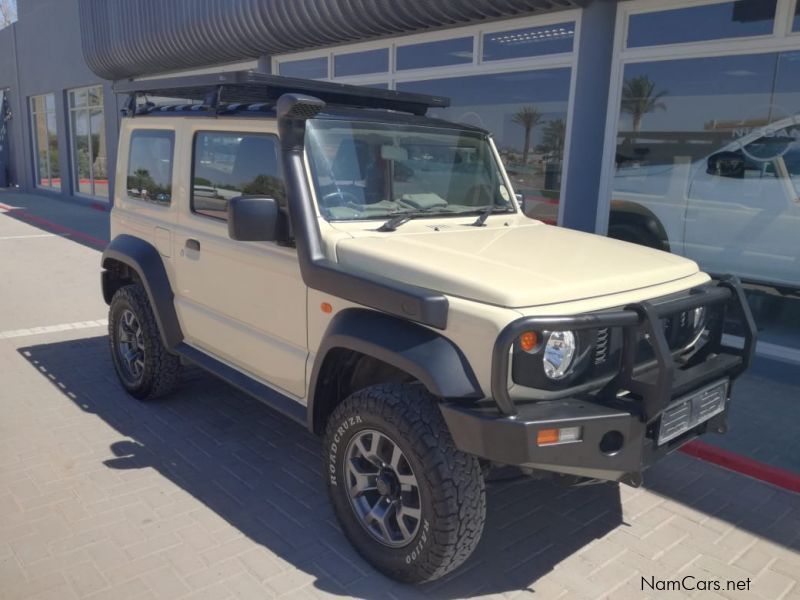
405 217
399 220
486 213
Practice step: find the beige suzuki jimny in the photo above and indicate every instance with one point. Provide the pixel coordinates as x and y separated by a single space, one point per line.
366 270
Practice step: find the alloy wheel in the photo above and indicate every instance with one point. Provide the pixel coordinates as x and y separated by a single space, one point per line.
130 346
383 489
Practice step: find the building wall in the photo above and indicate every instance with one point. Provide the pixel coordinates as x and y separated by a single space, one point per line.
8 83
48 59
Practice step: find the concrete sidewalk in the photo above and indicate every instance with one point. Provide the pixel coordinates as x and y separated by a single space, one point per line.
209 494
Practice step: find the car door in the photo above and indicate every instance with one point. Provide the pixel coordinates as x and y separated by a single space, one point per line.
241 302
143 199
743 213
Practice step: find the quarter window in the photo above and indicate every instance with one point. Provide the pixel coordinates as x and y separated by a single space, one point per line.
150 166
227 165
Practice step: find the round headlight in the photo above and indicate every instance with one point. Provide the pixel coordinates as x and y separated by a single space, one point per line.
698 323
558 354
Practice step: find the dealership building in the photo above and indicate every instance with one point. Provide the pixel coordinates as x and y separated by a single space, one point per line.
671 123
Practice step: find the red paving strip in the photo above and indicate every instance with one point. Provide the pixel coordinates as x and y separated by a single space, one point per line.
56 228
744 465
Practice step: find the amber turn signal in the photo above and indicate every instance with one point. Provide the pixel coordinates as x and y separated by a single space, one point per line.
548 437
326 307
528 340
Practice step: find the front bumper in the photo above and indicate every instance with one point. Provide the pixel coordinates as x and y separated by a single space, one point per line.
630 405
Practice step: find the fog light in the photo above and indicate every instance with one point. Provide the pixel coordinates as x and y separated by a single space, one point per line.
564 435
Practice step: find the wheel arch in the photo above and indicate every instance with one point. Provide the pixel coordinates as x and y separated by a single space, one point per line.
624 212
390 348
128 259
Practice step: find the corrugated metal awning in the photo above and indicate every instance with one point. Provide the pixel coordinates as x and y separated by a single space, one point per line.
124 38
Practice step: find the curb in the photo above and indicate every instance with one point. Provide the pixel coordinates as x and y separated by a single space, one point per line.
743 465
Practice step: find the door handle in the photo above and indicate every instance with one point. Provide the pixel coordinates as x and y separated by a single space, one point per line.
192 244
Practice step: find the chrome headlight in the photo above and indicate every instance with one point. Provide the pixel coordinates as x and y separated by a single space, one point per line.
697 322
559 353
698 318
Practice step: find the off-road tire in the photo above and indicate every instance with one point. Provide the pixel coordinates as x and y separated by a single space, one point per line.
161 369
451 488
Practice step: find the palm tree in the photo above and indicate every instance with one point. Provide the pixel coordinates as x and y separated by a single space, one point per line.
553 136
639 98
529 118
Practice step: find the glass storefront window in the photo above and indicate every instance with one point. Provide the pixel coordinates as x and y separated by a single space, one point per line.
87 133
45 141
531 41
361 63
741 18
708 150
306 68
796 22
435 54
526 111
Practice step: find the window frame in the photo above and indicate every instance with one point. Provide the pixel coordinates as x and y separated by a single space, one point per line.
478 66
680 4
37 177
794 6
234 132
71 115
782 39
174 142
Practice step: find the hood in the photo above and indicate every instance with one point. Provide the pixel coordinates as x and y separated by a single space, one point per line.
519 266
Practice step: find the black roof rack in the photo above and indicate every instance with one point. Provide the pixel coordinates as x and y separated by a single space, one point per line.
250 87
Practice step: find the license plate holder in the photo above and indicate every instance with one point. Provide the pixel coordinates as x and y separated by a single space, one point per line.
691 410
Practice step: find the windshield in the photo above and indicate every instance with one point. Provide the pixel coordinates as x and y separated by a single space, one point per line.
367 170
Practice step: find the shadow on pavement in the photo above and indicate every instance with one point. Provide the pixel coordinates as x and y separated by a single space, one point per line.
261 473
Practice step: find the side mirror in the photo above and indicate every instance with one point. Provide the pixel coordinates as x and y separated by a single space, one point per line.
726 164
253 219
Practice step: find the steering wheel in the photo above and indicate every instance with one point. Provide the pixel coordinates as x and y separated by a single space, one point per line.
344 198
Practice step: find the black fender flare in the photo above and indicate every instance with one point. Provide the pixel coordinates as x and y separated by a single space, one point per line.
425 354
146 262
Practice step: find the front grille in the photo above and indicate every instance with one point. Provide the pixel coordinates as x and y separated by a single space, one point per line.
601 348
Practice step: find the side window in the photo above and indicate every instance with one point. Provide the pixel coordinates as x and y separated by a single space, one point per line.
150 166
228 164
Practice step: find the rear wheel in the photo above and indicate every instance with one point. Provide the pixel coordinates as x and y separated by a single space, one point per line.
410 502
144 366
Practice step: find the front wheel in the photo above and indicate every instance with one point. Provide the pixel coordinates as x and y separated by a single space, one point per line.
144 366
409 501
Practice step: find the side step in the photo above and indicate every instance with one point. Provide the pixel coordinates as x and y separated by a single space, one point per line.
275 400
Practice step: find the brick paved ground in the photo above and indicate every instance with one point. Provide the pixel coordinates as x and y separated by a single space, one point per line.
209 494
